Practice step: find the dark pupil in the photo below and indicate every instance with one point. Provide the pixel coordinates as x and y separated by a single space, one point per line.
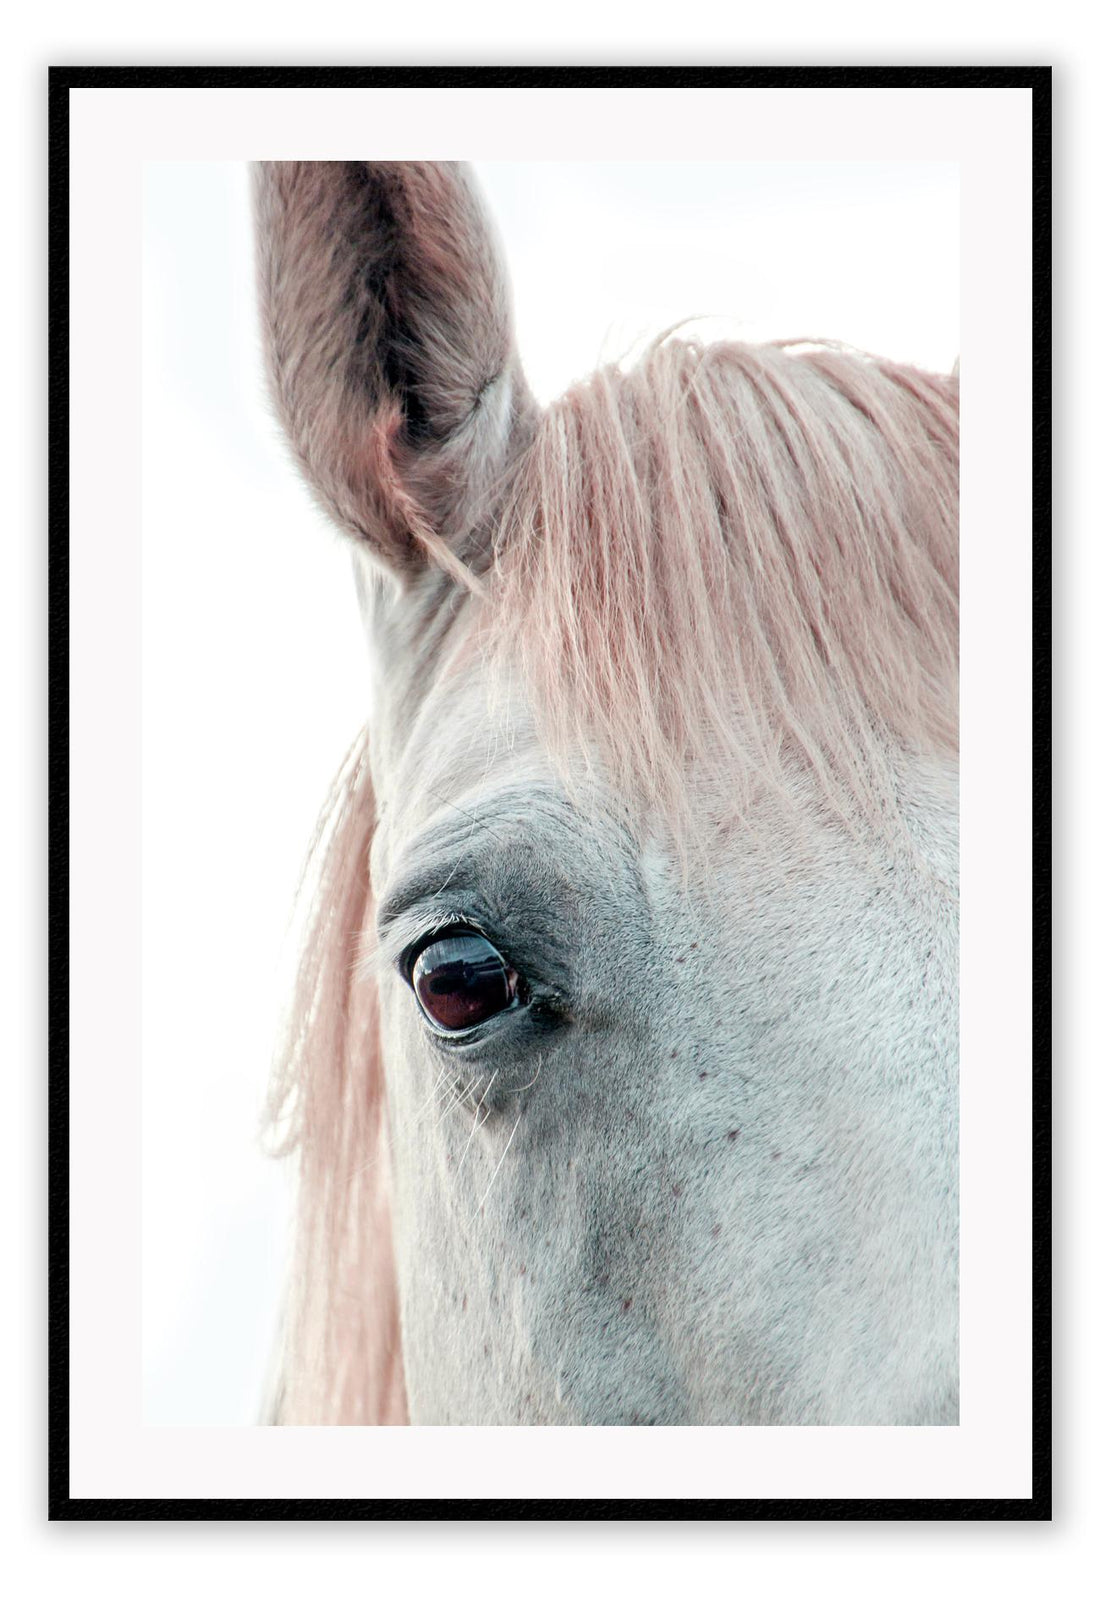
461 980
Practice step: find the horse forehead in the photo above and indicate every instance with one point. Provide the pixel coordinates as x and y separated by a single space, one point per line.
509 831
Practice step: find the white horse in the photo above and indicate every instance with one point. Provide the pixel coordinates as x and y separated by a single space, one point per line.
623 1065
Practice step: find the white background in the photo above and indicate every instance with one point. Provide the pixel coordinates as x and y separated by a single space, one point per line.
252 673
789 1564
127 1010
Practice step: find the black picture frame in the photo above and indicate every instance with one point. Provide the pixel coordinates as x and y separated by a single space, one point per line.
64 80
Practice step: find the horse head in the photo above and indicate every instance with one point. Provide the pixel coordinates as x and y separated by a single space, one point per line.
622 1068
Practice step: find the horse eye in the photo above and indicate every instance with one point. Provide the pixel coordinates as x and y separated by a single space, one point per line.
462 980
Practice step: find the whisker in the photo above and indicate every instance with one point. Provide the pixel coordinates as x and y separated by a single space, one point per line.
538 1071
439 1082
477 823
496 1172
460 1093
479 1121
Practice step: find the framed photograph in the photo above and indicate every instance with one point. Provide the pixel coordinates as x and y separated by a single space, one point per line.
541 1024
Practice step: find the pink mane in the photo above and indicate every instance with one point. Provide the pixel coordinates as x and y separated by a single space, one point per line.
733 558
341 1348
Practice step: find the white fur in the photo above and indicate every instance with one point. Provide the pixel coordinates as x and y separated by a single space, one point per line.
598 1247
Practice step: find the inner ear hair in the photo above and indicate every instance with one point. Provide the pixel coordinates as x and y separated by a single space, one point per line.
388 337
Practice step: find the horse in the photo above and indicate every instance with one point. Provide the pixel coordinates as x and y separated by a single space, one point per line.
622 1063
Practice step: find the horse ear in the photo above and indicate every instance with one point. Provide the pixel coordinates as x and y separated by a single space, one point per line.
388 337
